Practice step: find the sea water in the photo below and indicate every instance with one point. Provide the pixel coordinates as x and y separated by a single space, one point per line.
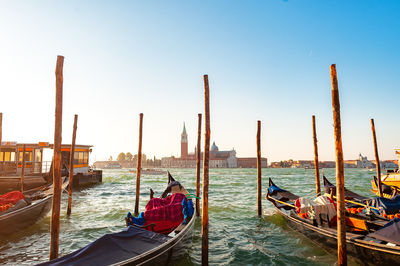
237 236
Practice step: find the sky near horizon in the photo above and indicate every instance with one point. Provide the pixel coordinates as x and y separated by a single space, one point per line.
266 60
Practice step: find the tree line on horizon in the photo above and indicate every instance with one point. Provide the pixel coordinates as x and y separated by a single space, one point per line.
129 157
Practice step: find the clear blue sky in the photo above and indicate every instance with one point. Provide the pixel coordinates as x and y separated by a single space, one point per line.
266 60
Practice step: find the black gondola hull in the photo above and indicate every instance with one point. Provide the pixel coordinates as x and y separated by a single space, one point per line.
133 246
368 254
168 252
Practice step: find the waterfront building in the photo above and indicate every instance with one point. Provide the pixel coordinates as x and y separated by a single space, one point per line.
218 159
37 172
363 162
251 162
184 143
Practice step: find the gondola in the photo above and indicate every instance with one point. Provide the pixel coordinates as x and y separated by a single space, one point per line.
390 182
373 247
38 205
331 189
389 191
133 246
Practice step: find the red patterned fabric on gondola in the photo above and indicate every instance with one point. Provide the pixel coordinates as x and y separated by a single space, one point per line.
11 197
169 209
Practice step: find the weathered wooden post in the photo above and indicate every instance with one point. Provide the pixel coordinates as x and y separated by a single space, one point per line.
207 133
198 160
316 163
378 164
1 127
55 216
139 165
1 138
23 169
341 226
71 165
259 183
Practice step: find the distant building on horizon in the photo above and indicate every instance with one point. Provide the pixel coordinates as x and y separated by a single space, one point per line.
361 162
184 143
218 159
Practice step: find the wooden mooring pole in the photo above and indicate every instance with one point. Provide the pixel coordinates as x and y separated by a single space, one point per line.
207 133
23 169
139 165
316 163
259 183
341 226
1 127
378 164
71 165
55 216
198 166
1 138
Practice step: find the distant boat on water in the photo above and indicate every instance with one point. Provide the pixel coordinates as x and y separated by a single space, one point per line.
112 166
149 171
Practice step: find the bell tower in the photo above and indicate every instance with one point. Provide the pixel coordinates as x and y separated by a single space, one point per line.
184 143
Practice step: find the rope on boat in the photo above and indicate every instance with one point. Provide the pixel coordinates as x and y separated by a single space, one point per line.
282 202
357 203
191 196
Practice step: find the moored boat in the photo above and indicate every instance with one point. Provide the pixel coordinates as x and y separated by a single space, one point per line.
331 189
391 178
372 245
27 211
135 245
390 183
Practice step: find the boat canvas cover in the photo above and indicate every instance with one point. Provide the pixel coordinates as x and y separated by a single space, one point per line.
11 197
389 233
272 189
168 209
318 206
280 194
389 206
113 248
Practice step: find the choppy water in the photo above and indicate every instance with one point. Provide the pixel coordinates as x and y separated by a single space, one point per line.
237 235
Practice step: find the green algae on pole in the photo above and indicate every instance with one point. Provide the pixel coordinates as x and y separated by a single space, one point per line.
259 183
207 133
378 164
55 216
341 226
71 165
316 163
139 165
198 166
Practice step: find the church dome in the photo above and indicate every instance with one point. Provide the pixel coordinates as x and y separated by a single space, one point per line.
214 147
